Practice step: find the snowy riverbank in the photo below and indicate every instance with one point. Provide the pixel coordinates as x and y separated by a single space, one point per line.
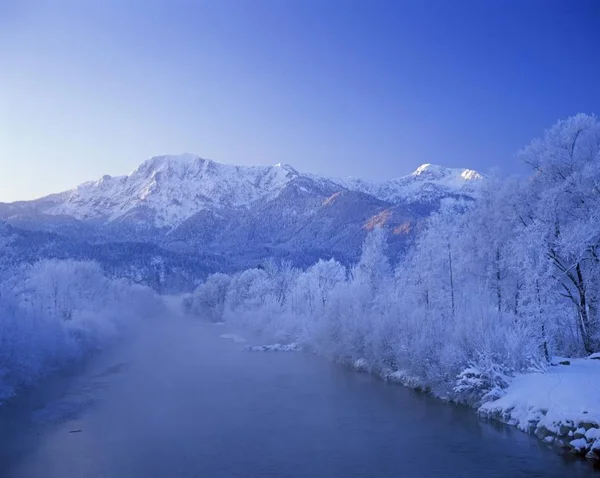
561 406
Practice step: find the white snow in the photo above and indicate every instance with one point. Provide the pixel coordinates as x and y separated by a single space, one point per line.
428 181
293 347
166 190
173 188
565 394
404 378
234 337
593 434
579 444
361 364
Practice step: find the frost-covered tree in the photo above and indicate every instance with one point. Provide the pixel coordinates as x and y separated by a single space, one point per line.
248 289
373 269
281 277
313 288
209 297
58 288
562 204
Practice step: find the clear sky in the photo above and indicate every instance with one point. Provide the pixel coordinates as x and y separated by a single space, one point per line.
366 88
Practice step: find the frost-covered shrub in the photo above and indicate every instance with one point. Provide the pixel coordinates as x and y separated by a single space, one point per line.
480 383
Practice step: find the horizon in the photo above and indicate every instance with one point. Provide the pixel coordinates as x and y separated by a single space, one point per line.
342 89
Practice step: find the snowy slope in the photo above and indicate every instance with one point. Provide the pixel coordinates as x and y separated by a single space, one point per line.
428 182
562 406
165 191
174 188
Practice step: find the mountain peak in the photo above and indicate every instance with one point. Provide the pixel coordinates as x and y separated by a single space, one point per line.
428 168
182 159
287 168
470 174
168 162
436 172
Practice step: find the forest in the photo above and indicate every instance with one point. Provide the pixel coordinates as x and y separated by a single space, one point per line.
489 289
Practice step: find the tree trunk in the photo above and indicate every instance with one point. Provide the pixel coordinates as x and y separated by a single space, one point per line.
451 279
539 300
583 312
498 288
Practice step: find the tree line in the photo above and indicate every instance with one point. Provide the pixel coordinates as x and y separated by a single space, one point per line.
490 288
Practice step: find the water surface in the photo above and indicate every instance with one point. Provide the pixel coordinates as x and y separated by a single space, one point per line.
178 401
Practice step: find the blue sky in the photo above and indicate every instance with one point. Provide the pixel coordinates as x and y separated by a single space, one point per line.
336 87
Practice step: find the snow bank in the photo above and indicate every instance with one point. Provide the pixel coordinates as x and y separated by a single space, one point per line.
361 364
561 406
234 337
404 378
293 347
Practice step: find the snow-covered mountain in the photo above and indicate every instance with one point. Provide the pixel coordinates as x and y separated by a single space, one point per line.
165 191
242 214
172 188
428 182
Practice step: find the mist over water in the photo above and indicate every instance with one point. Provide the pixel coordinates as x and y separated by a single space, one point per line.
178 400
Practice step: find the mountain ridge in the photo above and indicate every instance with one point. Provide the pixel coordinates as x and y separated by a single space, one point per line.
182 217
172 188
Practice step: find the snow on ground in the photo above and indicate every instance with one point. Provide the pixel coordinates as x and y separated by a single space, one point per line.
293 347
561 406
361 365
234 337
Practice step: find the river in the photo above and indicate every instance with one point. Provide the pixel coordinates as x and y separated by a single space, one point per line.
179 401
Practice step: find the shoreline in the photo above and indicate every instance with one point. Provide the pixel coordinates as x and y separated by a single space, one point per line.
574 434
577 434
560 406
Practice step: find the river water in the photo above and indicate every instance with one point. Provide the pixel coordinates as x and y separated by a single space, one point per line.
179 401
